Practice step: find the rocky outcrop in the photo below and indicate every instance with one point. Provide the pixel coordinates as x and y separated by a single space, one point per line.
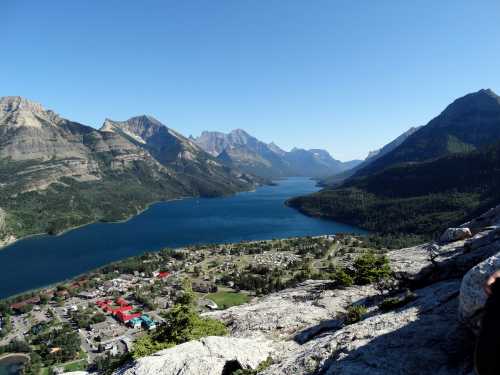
455 234
207 356
423 337
472 296
303 311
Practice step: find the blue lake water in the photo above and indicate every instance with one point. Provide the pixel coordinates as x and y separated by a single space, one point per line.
42 260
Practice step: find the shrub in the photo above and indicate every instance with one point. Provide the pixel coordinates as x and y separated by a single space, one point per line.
341 278
392 303
354 314
182 324
370 268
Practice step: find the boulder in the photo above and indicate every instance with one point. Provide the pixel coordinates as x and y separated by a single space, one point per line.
455 234
472 295
207 356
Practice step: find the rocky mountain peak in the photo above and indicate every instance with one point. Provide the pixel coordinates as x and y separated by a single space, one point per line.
18 103
17 111
484 100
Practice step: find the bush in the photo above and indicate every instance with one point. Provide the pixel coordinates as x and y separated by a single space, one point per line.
354 314
370 268
392 303
182 324
341 278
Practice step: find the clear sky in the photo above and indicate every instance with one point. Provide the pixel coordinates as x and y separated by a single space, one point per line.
347 76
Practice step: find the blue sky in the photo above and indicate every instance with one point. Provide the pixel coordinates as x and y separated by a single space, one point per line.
347 76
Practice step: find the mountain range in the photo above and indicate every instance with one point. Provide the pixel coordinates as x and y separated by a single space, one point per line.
241 150
439 175
56 173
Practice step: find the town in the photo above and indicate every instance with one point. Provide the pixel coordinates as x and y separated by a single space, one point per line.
103 312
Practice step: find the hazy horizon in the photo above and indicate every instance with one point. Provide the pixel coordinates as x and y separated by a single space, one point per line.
340 76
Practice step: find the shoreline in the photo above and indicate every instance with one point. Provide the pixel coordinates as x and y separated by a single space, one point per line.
11 239
176 249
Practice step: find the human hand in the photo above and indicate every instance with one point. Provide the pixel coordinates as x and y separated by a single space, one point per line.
490 281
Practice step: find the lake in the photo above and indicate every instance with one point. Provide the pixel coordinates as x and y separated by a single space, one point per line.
43 260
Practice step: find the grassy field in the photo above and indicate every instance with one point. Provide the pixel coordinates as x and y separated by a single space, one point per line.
225 299
80 365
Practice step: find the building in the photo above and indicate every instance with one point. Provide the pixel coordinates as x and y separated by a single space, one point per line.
89 294
148 322
20 306
125 318
206 287
135 323
163 275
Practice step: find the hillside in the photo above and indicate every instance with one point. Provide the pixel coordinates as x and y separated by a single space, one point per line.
245 152
467 124
372 156
57 173
420 198
438 175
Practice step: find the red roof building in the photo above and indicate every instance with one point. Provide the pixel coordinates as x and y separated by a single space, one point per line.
121 309
163 275
121 301
124 317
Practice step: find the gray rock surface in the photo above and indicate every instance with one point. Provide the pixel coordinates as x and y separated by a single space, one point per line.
423 337
283 314
207 356
472 295
455 234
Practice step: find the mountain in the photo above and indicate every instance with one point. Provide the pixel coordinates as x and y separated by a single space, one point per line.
372 156
430 192
56 173
467 124
421 198
247 153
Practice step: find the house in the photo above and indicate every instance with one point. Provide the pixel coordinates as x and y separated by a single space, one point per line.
125 318
148 322
163 275
120 301
89 294
19 306
135 323
205 287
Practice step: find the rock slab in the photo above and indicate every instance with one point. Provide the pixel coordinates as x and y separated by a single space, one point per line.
208 356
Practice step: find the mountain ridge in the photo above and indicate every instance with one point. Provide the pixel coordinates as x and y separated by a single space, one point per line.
401 192
46 161
240 149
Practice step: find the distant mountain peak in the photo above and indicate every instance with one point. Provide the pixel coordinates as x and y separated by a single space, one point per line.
18 103
17 111
488 92
239 132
